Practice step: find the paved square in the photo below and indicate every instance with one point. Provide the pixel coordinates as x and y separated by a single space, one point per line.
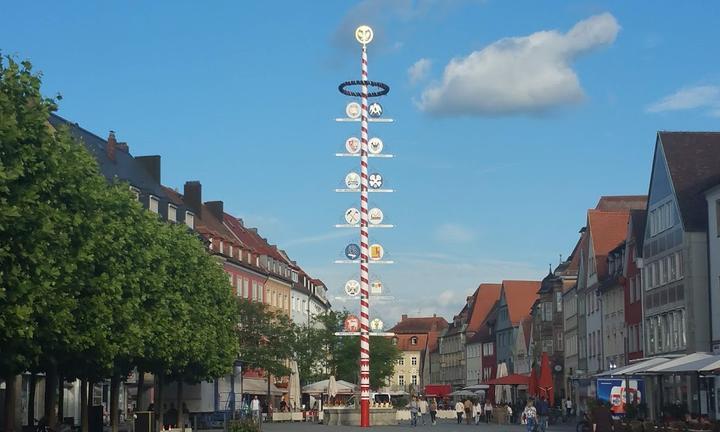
444 426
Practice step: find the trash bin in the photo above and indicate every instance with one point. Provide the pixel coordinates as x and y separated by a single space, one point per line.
144 421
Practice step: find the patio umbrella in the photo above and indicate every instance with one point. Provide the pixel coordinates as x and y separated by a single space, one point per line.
462 393
500 390
332 387
545 381
295 397
533 383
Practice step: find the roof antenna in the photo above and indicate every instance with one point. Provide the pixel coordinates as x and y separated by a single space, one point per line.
560 258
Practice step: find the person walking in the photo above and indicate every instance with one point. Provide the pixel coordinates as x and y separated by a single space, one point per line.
601 418
529 417
509 413
543 410
459 409
468 405
255 409
414 407
488 410
568 407
423 406
433 411
477 412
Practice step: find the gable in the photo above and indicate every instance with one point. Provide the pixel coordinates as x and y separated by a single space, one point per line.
660 187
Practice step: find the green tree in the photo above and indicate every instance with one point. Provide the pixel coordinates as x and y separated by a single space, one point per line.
266 338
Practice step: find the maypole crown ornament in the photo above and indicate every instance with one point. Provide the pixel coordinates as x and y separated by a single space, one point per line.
364 34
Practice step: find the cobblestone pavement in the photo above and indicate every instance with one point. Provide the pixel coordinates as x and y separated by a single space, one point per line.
441 426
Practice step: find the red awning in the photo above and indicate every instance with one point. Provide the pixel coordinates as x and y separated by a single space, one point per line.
514 379
438 390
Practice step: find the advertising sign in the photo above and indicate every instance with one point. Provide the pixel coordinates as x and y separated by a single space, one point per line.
613 391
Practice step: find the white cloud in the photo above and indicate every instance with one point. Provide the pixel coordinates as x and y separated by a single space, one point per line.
419 70
701 96
454 233
519 74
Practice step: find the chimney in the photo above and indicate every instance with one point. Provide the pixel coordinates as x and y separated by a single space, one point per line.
151 165
216 209
123 147
193 196
240 221
111 145
404 317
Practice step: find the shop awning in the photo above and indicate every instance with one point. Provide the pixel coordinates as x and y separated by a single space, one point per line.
635 368
685 364
438 390
259 387
713 367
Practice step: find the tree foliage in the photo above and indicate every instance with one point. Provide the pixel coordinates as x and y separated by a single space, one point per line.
266 337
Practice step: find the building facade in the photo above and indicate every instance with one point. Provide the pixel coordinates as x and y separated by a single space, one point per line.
515 304
416 338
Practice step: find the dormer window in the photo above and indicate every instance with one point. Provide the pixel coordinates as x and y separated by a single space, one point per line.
135 191
154 204
230 251
394 341
413 340
190 219
172 213
211 243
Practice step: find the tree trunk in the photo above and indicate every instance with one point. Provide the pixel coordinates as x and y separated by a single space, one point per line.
140 390
84 405
61 398
10 402
158 402
114 403
31 400
180 419
51 380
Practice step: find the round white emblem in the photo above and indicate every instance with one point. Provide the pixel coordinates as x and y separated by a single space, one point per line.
364 34
352 180
352 145
376 287
376 252
375 145
376 325
375 180
352 216
353 110
352 287
375 215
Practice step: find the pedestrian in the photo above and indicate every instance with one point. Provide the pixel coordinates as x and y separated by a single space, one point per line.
543 410
477 411
509 413
423 405
488 410
468 410
433 410
255 409
568 407
529 417
601 418
459 409
414 407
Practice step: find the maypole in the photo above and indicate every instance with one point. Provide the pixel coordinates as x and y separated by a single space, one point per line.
364 35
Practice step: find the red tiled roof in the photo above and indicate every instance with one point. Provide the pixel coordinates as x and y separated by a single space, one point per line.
250 237
403 342
205 222
520 296
419 325
483 300
607 230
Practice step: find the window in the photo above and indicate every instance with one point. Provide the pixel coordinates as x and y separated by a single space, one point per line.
413 340
154 204
261 294
254 290
304 306
135 191
414 380
246 284
401 380
679 260
231 280
638 284
190 220
674 330
401 361
238 286
663 271
547 311
488 349
683 340
413 361
172 213
655 275
558 301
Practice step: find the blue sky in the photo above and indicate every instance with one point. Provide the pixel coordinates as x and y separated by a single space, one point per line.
512 117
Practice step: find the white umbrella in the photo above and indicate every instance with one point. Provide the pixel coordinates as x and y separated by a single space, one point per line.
295 395
462 393
500 389
332 387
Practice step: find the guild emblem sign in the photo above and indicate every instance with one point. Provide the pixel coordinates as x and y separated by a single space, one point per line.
375 110
375 180
375 215
376 325
364 34
352 145
352 323
375 145
352 216
376 252
376 287
353 110
352 180
352 287
352 251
